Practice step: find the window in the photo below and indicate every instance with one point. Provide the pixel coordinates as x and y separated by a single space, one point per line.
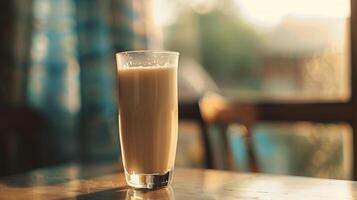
290 59
255 50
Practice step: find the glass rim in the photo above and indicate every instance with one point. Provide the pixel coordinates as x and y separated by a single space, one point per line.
148 51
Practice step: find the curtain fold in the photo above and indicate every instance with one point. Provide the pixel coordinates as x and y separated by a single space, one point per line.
95 52
52 83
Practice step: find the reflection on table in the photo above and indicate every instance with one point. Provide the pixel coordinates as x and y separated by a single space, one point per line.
107 182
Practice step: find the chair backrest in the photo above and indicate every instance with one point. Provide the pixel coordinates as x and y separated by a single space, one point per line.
216 109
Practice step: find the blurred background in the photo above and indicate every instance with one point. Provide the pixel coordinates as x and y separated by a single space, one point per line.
264 85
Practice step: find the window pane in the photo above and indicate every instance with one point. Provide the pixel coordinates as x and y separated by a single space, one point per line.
260 50
305 149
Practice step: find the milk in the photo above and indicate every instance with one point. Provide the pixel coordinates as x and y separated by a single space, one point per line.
148 118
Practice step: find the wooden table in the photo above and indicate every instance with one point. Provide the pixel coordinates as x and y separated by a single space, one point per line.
106 181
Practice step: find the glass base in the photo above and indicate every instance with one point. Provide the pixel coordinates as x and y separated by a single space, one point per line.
148 181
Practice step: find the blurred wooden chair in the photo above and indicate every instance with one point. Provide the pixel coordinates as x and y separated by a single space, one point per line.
192 112
19 129
216 110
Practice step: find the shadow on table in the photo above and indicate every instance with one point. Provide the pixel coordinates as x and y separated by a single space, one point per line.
165 193
116 193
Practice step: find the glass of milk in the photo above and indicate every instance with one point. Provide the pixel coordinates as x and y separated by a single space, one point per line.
148 118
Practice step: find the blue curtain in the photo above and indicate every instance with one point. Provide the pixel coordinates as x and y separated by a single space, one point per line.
72 74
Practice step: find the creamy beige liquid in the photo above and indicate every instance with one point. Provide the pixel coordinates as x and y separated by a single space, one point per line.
148 118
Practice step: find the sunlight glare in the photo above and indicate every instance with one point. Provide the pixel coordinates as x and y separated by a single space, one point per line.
270 12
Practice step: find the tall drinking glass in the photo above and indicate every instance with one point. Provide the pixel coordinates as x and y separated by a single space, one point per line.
147 82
